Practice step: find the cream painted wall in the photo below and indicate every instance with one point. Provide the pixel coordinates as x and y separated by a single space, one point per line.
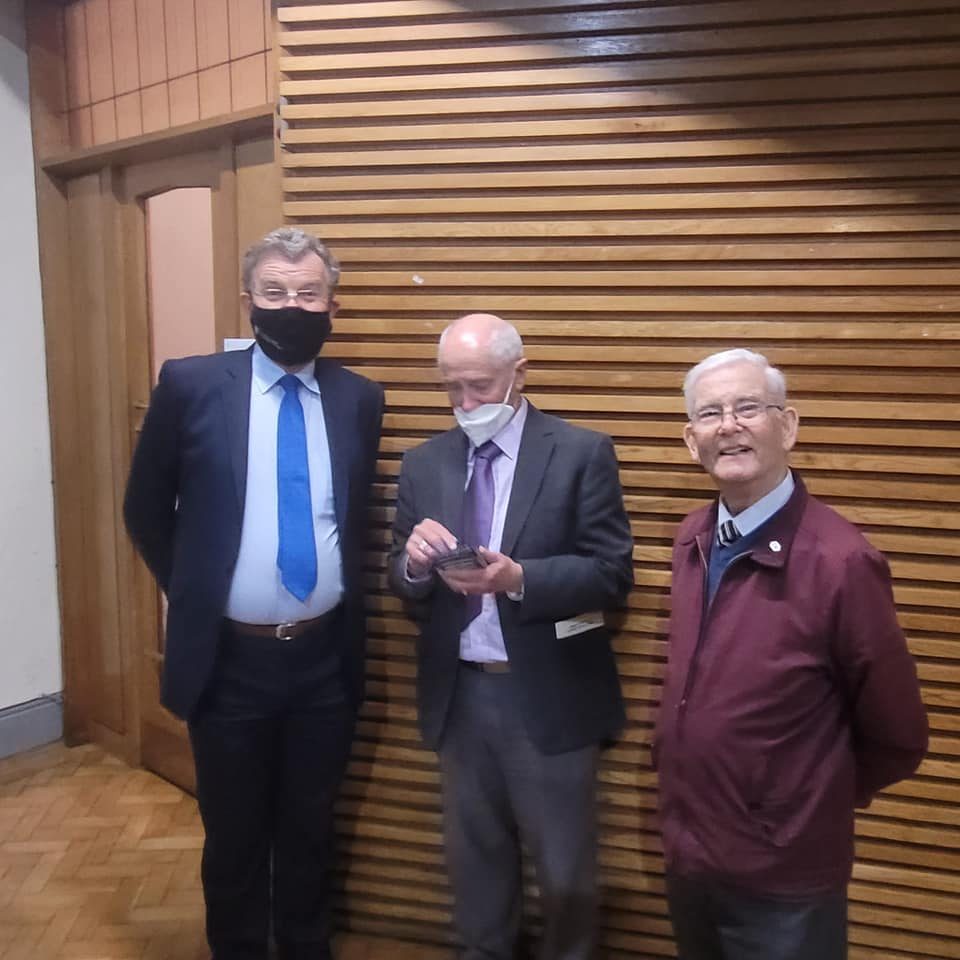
30 663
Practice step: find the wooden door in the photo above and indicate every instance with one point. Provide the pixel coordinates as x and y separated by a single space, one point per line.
204 186
240 185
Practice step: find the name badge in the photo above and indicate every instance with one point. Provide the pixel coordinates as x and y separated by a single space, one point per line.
580 624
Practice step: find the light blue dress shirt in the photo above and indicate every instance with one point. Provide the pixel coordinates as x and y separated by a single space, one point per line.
746 521
256 593
483 637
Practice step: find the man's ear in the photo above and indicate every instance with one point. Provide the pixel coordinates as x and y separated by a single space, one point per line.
520 374
791 421
246 302
690 440
333 307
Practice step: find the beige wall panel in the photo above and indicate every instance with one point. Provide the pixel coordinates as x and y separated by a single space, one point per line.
99 49
78 64
155 103
184 100
123 45
129 117
259 192
247 28
80 123
636 185
215 91
181 36
213 33
151 42
248 81
103 116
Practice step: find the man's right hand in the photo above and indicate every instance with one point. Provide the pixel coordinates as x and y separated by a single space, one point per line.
427 541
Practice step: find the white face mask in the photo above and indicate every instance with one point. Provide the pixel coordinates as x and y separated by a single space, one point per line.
483 423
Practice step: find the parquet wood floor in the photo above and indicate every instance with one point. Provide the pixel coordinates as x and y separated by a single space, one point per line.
99 861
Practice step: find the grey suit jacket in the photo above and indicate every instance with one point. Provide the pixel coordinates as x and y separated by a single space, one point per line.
567 526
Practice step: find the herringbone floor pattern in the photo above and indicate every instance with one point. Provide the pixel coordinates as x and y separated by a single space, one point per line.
99 861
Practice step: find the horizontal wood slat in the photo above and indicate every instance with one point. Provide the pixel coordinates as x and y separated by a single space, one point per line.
636 184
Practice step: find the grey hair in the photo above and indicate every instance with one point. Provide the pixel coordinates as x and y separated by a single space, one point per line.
291 243
775 380
505 344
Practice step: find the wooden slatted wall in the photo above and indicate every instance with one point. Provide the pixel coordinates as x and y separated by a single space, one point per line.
636 185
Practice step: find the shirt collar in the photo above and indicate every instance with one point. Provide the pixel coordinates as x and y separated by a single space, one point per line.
266 373
508 439
760 512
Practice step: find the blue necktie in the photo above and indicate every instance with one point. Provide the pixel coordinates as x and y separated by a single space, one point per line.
297 551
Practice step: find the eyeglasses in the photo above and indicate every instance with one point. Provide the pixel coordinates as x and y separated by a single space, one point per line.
743 411
307 297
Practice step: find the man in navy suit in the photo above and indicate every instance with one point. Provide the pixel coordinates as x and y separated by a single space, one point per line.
517 682
247 498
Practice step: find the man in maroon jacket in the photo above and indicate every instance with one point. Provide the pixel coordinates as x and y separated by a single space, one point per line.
790 697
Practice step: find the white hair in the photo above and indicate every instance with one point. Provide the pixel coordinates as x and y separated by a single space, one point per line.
505 345
775 380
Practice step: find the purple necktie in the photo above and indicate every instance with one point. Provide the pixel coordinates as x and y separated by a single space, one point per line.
478 511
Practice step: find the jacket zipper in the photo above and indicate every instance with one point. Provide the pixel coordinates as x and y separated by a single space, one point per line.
704 615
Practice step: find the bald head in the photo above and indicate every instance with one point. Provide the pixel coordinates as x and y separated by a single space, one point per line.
484 336
481 360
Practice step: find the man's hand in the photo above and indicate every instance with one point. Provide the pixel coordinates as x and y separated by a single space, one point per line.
500 575
427 541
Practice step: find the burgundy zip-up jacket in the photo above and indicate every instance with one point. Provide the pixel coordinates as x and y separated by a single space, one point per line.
786 704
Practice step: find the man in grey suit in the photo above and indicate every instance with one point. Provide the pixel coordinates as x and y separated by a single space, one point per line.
517 682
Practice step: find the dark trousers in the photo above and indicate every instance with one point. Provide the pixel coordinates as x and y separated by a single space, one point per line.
713 921
270 741
499 790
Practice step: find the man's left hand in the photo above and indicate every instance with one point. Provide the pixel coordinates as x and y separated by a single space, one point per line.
500 575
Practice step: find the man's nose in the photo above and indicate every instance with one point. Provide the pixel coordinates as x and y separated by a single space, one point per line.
469 403
728 422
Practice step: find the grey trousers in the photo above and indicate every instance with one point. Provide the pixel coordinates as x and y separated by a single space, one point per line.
499 790
713 921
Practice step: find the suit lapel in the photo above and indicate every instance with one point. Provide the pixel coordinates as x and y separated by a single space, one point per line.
536 449
339 417
235 394
453 479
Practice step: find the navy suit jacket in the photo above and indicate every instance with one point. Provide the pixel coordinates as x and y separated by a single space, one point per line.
185 500
567 526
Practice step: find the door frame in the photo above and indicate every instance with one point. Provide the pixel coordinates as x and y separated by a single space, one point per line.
121 270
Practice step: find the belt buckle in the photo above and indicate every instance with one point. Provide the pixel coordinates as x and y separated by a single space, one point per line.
282 630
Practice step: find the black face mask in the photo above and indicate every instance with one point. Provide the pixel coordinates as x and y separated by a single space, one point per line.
290 336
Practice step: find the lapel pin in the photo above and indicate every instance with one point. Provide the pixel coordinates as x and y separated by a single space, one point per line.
775 546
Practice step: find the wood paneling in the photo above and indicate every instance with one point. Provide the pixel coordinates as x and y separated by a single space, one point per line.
78 65
247 28
208 56
213 33
151 42
184 100
155 105
636 185
181 29
248 81
215 90
99 39
103 117
123 35
129 118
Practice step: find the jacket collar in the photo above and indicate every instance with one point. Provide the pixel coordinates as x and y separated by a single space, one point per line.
779 531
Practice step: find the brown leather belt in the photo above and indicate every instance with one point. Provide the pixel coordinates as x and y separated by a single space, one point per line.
289 630
486 666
